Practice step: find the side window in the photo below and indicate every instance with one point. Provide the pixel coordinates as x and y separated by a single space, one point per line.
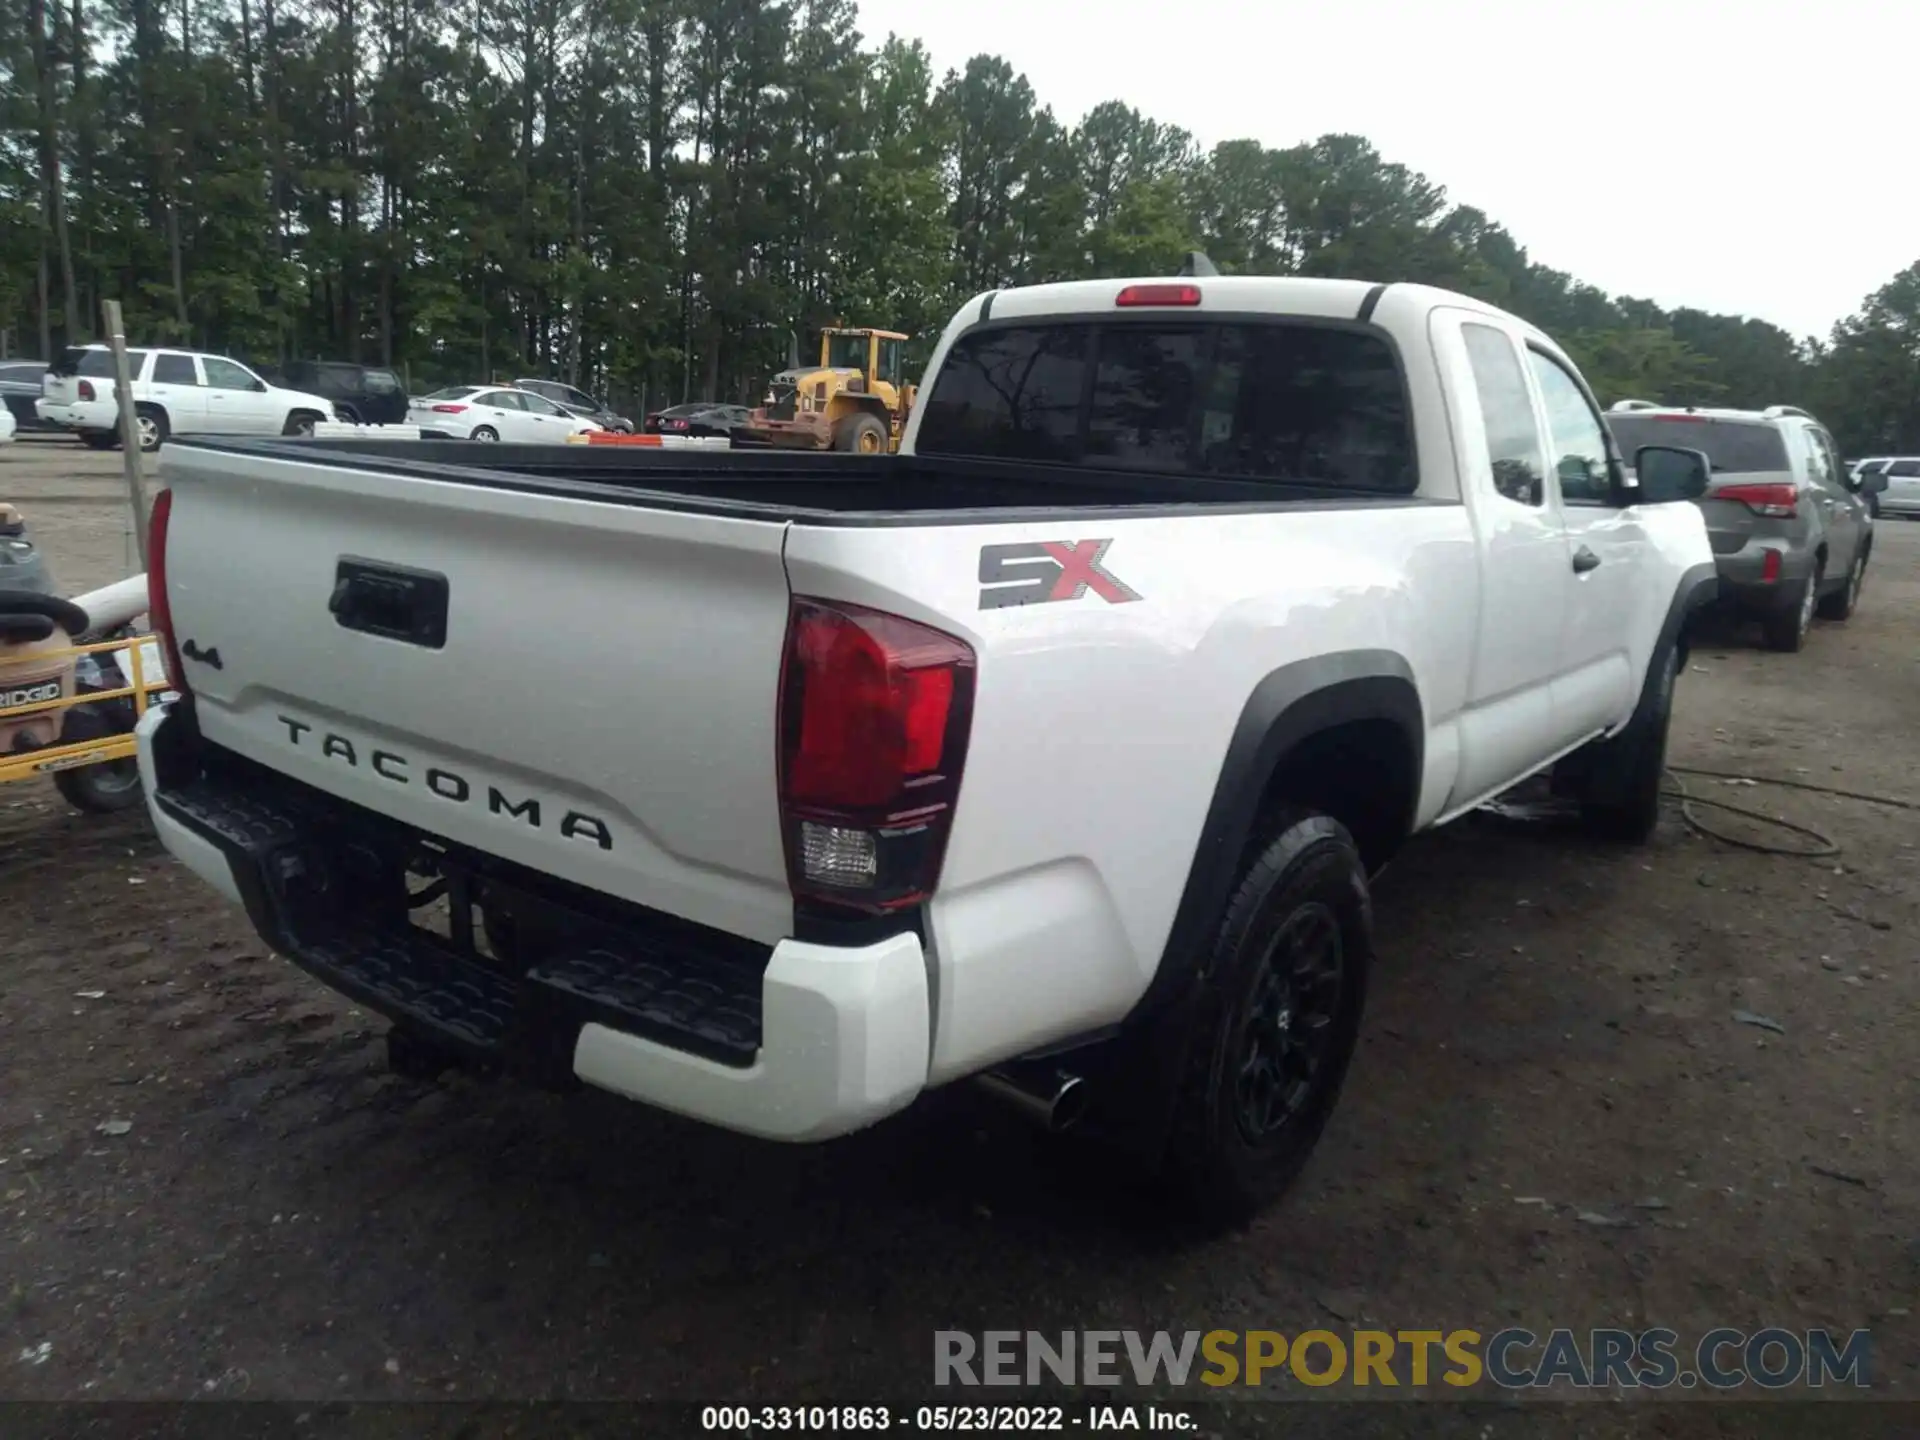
570 396
1306 404
1826 465
1010 394
382 382
504 400
540 405
1904 469
1143 392
174 370
889 369
1513 437
225 375
1579 439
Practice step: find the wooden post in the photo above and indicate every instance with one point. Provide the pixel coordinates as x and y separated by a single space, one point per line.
129 428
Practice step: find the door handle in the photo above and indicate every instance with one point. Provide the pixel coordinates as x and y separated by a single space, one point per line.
1584 560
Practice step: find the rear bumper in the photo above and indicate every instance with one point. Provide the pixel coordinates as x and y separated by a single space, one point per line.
81 416
800 1043
1743 582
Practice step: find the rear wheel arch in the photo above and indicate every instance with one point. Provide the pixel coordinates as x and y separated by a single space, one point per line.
1311 716
1298 718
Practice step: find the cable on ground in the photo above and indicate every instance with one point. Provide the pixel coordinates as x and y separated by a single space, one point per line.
1823 845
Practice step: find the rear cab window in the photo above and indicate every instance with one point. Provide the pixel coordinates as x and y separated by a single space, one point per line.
1732 447
95 364
1285 401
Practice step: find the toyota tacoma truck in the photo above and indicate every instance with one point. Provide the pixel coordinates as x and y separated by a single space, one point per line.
1054 751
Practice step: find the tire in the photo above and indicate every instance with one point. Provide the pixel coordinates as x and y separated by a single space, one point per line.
1621 778
99 439
301 422
108 788
1240 1133
862 435
486 433
1786 630
151 423
348 415
1844 601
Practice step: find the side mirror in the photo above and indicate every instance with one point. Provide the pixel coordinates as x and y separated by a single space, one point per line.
259 387
1668 473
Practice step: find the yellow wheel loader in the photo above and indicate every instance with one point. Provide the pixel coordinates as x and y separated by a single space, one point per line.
857 399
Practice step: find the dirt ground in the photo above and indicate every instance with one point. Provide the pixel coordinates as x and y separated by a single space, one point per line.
1550 1033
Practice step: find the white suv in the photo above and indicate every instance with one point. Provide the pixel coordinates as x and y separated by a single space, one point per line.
175 392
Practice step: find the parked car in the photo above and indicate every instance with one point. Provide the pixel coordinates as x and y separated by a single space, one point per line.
494 412
701 417
361 394
20 391
7 427
175 392
578 402
1893 483
1056 749
1791 534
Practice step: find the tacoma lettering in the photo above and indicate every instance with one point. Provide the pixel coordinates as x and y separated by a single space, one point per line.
448 785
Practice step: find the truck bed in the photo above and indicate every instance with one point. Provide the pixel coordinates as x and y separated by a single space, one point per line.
833 489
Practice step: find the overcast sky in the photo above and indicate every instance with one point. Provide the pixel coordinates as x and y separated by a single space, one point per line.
1758 160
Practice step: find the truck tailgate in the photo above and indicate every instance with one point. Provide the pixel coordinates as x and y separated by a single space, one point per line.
602 705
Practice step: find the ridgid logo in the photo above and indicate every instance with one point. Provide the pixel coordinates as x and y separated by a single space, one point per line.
1513 1358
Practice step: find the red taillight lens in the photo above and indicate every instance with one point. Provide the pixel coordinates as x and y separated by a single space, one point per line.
86 390
1159 295
1782 502
1770 567
875 712
159 609
448 409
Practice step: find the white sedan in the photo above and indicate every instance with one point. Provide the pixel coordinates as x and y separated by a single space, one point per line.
499 412
6 426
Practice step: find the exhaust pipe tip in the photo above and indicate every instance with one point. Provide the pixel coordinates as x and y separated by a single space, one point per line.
1055 1100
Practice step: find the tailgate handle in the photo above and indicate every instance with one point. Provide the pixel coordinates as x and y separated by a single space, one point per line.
394 602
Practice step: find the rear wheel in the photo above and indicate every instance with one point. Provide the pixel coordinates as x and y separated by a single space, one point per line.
99 439
863 435
103 789
1843 602
487 433
1787 629
150 423
301 422
1277 1020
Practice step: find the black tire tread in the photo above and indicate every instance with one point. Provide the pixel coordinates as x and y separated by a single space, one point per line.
1194 1164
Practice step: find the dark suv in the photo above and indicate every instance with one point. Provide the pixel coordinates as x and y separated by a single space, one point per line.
362 394
578 402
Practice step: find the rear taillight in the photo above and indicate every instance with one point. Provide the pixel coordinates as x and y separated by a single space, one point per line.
1781 502
1770 567
874 716
1158 295
86 390
448 409
159 610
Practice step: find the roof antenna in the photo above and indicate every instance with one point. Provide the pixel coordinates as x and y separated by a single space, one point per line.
1197 264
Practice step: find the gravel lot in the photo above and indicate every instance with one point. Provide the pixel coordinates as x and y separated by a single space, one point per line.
1551 1021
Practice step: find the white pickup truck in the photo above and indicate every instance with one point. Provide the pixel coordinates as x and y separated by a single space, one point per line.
1056 750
